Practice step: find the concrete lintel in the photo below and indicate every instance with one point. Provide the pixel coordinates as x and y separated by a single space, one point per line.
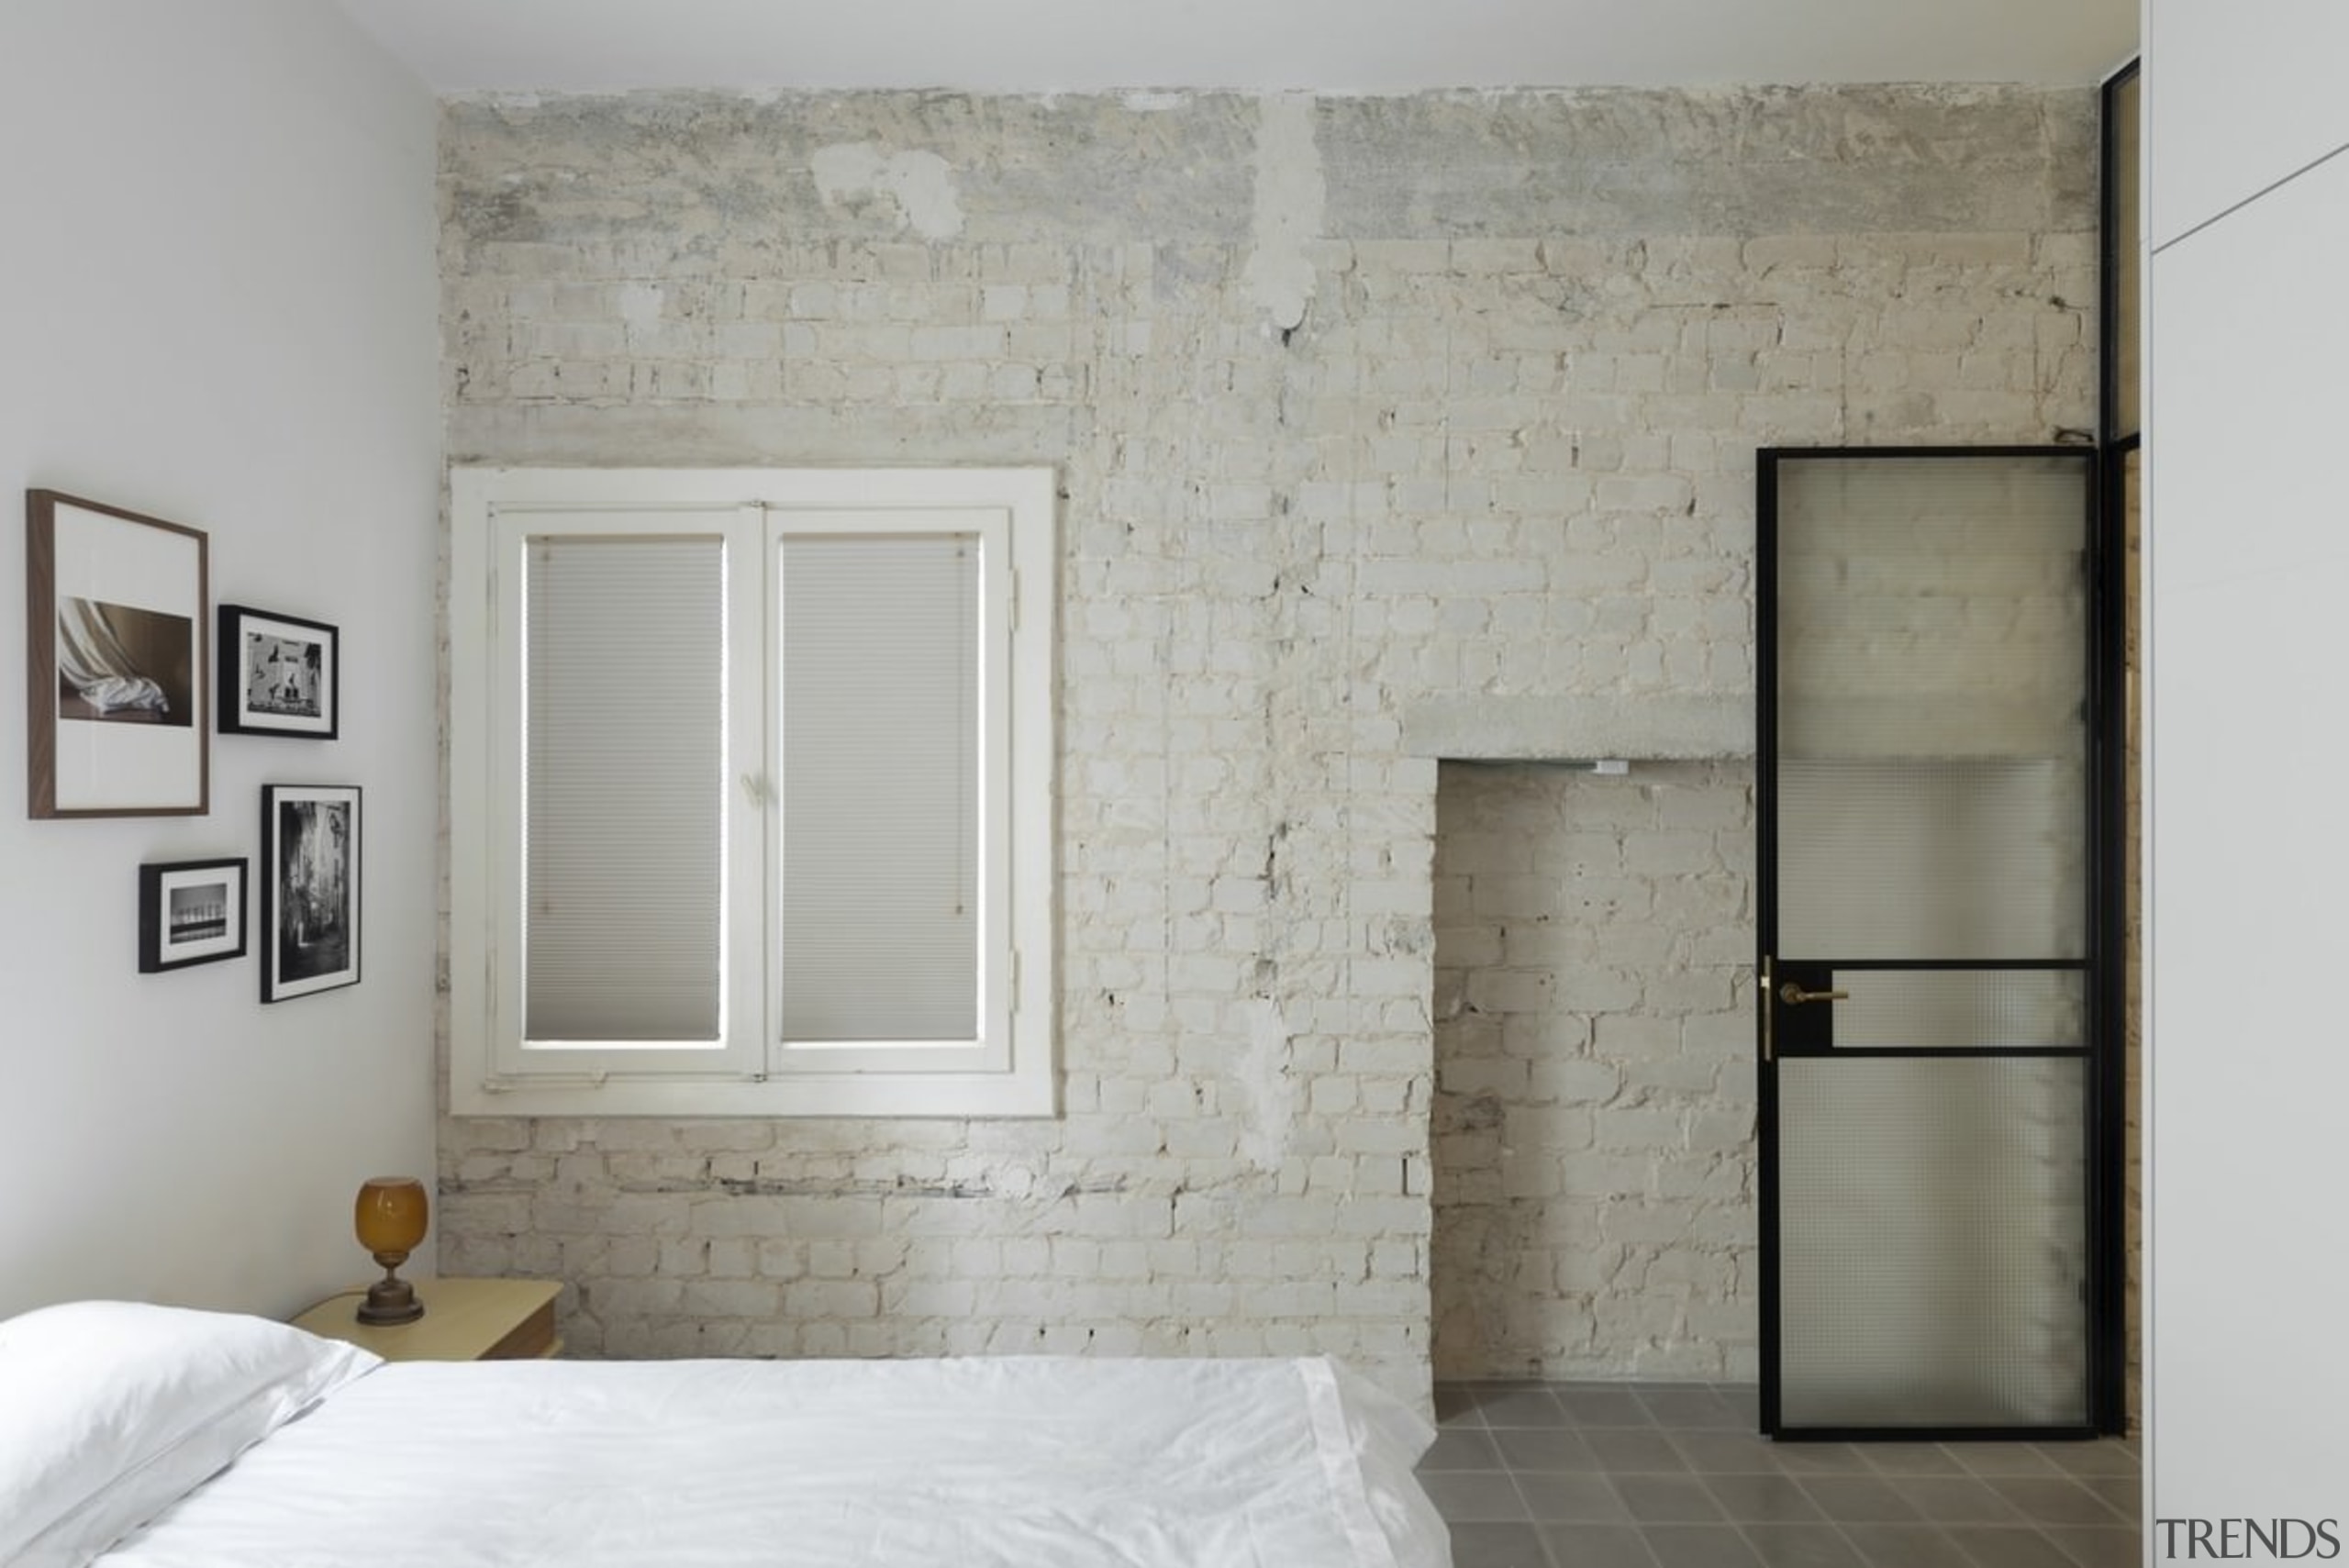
1581 729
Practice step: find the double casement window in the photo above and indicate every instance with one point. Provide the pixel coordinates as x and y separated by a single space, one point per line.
751 792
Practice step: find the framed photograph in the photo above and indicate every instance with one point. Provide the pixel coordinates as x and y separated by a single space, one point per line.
118 632
279 674
191 912
310 889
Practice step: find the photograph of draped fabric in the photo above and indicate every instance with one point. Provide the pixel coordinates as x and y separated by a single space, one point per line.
309 886
118 664
118 648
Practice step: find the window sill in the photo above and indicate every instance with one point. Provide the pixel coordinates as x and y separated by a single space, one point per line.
987 1096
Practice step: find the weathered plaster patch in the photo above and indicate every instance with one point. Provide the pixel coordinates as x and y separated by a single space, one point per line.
639 304
920 185
1290 196
1266 1083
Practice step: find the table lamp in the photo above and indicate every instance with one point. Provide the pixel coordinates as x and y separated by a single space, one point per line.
392 1217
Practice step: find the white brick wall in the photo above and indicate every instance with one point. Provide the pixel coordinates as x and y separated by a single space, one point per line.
1506 449
1594 1116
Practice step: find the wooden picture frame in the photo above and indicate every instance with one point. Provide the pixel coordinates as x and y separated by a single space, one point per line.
310 890
279 674
117 634
191 912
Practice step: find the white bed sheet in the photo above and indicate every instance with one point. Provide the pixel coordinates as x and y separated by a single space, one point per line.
1017 1462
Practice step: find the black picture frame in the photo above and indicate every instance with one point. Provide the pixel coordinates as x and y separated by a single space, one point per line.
278 674
311 895
117 634
191 912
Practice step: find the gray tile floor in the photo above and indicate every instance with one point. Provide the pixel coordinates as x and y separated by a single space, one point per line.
1674 1475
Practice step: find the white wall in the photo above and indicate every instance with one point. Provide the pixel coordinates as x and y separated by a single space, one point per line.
217 297
2247 565
2251 95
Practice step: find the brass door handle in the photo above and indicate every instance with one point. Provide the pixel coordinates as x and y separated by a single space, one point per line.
1794 995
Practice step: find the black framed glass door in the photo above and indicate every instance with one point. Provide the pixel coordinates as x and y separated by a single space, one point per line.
1931 782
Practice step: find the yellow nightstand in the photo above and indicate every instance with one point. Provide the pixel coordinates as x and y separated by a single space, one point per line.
464 1320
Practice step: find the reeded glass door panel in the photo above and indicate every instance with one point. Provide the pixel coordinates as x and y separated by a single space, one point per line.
1997 844
1960 1009
1932 1242
1944 607
1932 688
624 739
880 769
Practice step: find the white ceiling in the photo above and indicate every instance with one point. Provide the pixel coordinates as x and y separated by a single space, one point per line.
1369 46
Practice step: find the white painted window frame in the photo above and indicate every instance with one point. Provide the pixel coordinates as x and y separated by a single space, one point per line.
751 1073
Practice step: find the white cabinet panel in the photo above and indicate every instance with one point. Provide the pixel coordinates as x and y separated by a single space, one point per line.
2237 94
2248 553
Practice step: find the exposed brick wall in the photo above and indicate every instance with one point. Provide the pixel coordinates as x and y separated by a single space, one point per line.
1593 1116
1356 403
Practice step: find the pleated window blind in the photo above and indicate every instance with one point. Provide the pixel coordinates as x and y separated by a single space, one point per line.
625 752
880 771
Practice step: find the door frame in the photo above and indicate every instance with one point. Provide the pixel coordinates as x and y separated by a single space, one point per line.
2104 1095
2119 222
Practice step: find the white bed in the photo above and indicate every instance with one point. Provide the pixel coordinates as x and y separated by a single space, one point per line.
108 1456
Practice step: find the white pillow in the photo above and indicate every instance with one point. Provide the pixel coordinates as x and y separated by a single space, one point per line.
110 1411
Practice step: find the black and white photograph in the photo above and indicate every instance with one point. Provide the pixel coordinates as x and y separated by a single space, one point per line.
117 647
191 912
280 674
310 890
